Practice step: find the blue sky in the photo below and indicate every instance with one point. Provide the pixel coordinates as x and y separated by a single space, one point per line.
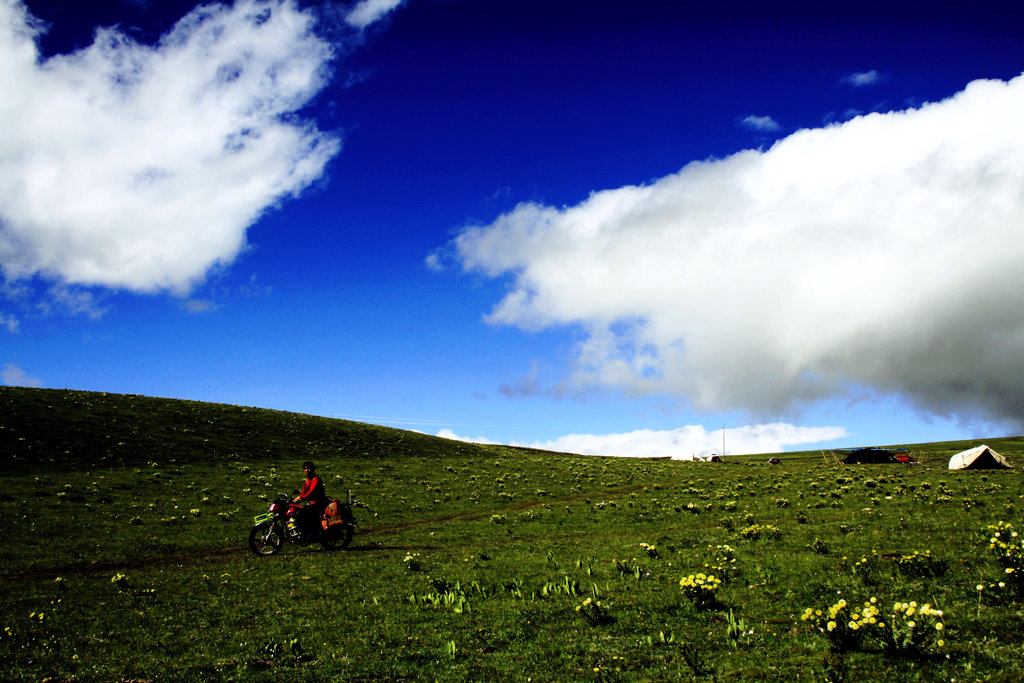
605 227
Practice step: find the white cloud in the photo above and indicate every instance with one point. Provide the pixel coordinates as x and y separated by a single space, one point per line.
863 78
686 443
370 11
760 123
141 167
14 376
434 263
72 301
877 256
200 306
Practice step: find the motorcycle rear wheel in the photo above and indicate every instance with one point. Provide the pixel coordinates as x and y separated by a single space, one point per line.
337 536
266 539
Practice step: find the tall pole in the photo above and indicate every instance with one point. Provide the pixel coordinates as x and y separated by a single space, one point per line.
723 440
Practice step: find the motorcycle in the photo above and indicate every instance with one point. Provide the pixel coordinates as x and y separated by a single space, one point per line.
271 529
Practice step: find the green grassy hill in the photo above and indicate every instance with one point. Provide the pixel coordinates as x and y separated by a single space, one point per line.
87 429
125 521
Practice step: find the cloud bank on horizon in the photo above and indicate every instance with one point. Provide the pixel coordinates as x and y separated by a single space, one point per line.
140 167
14 376
876 257
686 443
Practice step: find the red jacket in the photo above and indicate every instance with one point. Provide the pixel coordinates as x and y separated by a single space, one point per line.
313 491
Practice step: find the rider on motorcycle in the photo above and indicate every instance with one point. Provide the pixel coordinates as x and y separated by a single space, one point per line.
312 498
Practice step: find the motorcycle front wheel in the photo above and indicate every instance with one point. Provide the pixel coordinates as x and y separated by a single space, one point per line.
337 536
266 539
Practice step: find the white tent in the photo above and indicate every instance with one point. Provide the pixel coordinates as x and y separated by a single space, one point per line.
977 457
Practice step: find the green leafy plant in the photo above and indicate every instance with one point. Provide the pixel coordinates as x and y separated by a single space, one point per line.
755 532
594 613
737 630
820 546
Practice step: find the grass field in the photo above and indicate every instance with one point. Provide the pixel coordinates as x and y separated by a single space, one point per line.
124 559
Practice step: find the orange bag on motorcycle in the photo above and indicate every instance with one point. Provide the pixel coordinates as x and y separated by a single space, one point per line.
332 514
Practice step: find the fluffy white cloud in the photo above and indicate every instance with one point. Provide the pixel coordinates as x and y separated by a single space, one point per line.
140 167
14 376
686 443
877 256
370 11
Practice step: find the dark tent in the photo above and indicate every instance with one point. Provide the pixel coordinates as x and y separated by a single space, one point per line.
868 456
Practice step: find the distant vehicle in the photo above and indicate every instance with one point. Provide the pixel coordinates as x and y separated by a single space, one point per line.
271 529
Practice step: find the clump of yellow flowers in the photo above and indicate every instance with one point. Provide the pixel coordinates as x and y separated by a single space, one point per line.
594 612
906 627
721 561
1005 544
910 627
840 624
700 589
